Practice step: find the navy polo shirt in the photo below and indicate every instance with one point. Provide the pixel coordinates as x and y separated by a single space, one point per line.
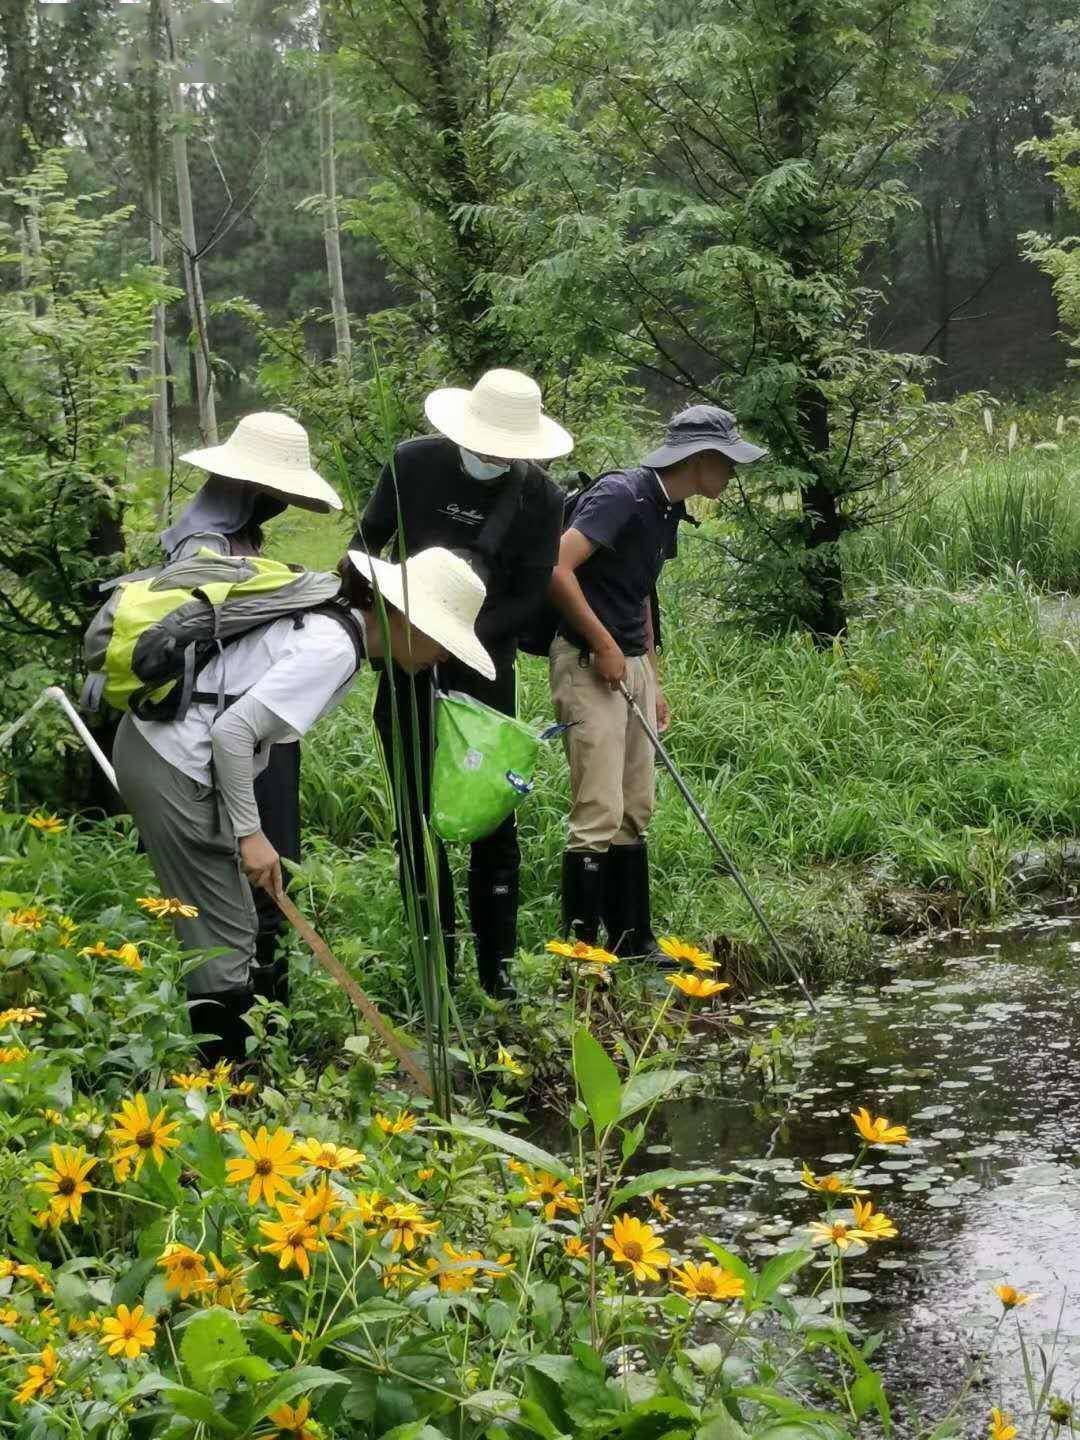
634 527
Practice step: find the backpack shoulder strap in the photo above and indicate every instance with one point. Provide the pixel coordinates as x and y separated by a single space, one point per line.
339 611
497 525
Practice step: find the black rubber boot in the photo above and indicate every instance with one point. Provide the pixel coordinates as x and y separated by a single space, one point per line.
493 907
221 1017
270 973
627 909
582 894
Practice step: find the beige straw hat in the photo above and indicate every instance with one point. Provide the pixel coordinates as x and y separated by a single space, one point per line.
271 451
441 595
501 415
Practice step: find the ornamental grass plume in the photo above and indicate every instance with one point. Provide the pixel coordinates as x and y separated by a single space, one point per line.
685 953
128 1332
635 1244
877 1130
827 1184
271 1161
137 1134
65 1181
707 1282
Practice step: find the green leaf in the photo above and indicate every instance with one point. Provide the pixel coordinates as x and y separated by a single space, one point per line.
196 1406
666 1180
642 1090
597 1078
731 1261
721 1425
779 1268
292 1383
209 1155
511 1145
212 1337
128 1288
868 1390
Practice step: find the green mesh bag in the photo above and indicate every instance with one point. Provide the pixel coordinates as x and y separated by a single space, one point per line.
484 763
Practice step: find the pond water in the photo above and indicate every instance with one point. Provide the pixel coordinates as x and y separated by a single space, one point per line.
971 1041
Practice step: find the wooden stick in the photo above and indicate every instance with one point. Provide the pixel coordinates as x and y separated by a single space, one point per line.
330 963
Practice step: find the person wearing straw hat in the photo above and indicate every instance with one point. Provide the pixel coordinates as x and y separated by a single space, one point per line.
189 783
262 469
476 488
620 535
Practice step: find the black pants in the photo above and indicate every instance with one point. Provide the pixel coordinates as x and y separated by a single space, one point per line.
277 794
495 861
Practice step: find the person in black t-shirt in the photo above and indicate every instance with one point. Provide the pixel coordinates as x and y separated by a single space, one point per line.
473 488
610 558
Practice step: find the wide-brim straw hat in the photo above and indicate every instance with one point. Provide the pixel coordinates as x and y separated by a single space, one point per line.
440 594
502 415
271 451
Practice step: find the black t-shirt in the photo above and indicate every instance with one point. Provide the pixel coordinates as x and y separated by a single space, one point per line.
634 527
441 504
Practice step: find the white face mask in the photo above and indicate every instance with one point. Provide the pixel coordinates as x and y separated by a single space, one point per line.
482 469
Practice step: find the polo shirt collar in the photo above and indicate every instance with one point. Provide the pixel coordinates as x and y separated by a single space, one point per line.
660 485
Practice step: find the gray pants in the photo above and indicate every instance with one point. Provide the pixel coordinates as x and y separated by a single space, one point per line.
193 850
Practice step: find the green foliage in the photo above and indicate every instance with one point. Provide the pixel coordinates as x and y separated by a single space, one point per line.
71 343
1060 257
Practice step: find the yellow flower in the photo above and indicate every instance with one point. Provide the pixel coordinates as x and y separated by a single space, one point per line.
325 1155
191 1082
835 1232
827 1184
878 1131
1001 1426
707 1282
220 1125
84 1324
292 1238
871 1222
292 1424
128 955
270 1160
98 949
575 1248
128 1332
46 824
402 1272
634 1244
52 1116
27 917
137 1133
659 1208
21 1015
404 1224
166 909
1011 1298
67 928
185 1269
456 1281
66 1180
225 1287
34 1275
12 1054
697 987
42 1378
425 1173
399 1125
243 1089
507 1062
552 1194
370 1206
677 949
575 950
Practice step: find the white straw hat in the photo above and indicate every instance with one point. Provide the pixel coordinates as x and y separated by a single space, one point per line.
501 415
271 451
440 594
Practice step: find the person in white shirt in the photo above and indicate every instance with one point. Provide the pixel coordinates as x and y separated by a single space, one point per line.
260 471
190 783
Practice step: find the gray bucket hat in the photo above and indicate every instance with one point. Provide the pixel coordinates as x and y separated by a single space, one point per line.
703 427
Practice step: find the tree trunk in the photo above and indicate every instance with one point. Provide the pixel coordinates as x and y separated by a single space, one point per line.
160 410
204 373
331 223
825 614
942 285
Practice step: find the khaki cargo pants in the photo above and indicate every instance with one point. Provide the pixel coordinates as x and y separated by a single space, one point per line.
612 776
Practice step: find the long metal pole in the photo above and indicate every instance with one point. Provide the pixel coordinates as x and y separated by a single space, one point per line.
59 697
718 845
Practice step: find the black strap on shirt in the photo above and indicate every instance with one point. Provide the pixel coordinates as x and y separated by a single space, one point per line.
496 527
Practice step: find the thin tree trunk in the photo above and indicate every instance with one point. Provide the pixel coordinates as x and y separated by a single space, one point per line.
160 410
331 224
204 373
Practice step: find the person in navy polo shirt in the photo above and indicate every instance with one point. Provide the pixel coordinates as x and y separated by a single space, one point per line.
610 558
